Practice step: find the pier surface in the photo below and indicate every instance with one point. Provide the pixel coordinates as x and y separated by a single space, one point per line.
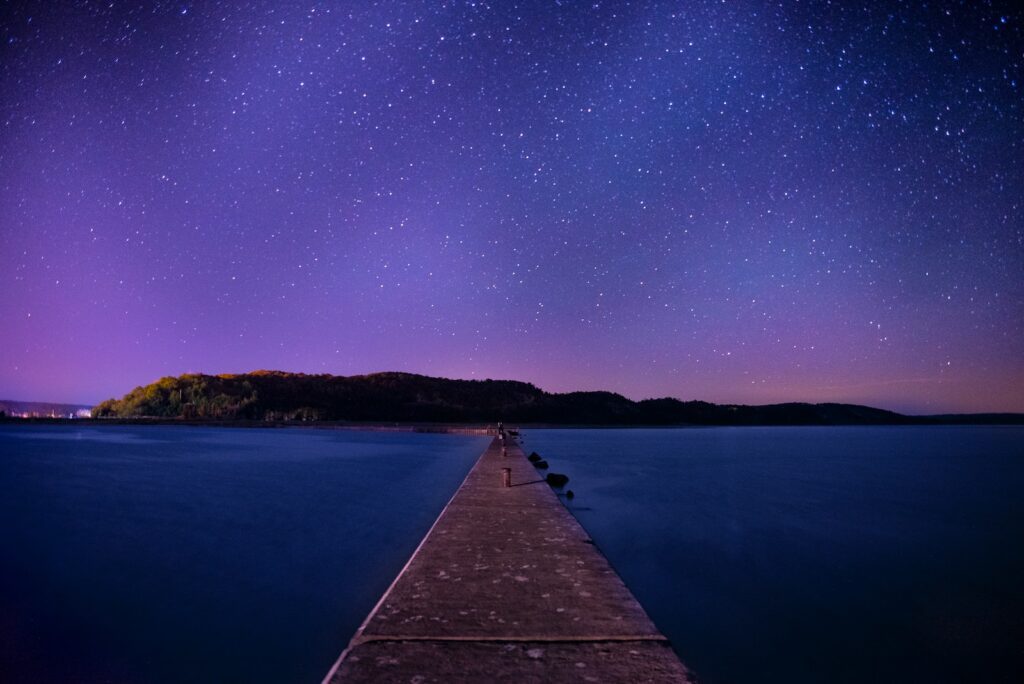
507 586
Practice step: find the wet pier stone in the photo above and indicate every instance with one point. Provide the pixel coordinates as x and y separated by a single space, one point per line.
507 587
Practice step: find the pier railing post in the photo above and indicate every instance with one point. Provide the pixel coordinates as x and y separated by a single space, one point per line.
506 477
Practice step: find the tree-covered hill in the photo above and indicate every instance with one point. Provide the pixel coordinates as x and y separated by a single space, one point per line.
405 397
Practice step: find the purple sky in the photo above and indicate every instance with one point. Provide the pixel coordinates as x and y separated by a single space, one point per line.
720 200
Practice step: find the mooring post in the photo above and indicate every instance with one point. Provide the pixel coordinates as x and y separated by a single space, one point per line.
506 477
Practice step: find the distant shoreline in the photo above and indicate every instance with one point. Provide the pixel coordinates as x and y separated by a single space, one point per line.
988 420
446 428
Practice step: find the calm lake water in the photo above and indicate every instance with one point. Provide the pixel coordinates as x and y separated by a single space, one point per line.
205 555
814 554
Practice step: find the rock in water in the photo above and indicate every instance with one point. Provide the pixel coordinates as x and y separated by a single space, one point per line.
557 479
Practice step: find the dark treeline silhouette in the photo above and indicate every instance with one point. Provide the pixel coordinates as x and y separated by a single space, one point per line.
405 397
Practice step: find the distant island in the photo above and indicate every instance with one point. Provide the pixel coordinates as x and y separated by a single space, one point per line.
275 396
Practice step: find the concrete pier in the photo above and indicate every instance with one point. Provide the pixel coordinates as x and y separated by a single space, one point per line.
507 586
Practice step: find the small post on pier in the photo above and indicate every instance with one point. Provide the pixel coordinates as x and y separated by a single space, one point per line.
506 477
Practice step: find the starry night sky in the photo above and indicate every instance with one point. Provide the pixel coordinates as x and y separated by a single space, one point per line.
732 201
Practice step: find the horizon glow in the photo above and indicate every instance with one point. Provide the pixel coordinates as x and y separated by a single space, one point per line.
717 201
